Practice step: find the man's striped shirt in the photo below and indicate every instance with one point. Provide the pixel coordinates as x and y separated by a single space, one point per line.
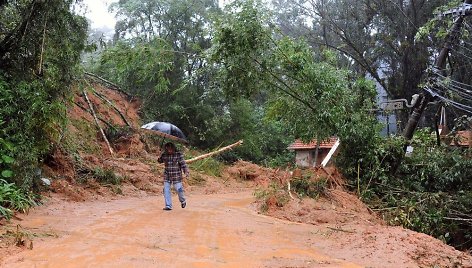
174 165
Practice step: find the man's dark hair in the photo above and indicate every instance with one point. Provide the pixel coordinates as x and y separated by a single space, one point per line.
170 145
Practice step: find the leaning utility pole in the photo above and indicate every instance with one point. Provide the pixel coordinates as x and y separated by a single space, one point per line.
439 67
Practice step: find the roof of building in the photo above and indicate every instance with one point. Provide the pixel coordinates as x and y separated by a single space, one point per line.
462 138
299 145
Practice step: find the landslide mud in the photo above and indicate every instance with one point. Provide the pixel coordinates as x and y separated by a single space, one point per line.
213 231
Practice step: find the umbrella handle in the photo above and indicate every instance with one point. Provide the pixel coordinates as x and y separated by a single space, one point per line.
162 142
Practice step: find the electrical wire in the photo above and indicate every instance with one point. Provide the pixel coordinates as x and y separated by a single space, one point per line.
455 87
457 105
453 81
464 55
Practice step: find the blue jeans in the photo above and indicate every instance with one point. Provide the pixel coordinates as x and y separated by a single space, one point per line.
168 195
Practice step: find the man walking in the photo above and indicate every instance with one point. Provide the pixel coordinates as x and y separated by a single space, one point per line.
174 166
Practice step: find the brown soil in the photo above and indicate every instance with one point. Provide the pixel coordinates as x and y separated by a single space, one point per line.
85 223
216 230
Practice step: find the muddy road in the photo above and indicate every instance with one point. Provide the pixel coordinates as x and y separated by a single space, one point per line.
218 230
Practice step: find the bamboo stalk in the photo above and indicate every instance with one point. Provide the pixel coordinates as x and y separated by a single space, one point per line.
40 66
96 121
110 84
99 117
112 105
203 156
162 134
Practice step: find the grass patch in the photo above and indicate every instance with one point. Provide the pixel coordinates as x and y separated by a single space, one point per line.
85 138
196 179
13 199
306 187
106 176
272 196
208 166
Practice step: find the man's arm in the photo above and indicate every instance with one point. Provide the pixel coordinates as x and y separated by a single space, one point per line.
183 165
160 159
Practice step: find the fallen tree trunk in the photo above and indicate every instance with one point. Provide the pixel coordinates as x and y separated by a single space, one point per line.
102 97
203 156
96 121
108 84
99 117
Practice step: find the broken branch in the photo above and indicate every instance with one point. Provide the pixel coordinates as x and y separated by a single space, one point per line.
102 97
203 156
96 121
99 117
108 83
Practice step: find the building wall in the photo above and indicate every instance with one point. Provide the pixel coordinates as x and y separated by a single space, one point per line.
305 158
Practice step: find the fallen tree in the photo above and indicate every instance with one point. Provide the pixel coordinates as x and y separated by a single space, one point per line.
226 148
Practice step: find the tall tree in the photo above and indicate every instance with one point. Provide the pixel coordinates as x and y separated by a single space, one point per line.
159 57
40 46
315 99
375 36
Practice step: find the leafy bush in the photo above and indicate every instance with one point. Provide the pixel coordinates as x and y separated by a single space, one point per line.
106 176
305 186
12 198
209 166
429 192
116 132
6 160
196 179
274 195
36 72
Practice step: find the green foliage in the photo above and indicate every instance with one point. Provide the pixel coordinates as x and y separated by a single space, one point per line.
240 45
6 160
116 132
301 88
84 138
160 60
429 192
436 27
208 166
31 122
196 179
264 140
106 176
139 67
13 198
40 46
274 195
306 187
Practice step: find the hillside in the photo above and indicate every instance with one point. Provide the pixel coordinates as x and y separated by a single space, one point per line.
101 202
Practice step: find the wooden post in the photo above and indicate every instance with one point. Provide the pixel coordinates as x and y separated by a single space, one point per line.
425 97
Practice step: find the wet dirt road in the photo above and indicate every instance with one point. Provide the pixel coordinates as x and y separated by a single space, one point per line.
213 231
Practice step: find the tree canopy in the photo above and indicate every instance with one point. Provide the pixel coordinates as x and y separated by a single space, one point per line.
40 46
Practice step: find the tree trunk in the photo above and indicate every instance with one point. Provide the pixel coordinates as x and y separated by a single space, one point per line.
98 125
203 156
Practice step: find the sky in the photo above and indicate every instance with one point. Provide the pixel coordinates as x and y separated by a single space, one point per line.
97 12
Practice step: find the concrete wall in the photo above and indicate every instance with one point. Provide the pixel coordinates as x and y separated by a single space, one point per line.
305 158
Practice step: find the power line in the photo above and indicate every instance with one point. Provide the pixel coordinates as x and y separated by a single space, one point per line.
460 106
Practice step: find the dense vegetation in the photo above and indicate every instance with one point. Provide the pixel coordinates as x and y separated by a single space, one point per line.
40 47
263 73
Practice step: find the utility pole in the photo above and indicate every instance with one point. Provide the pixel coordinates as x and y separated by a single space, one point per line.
439 66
